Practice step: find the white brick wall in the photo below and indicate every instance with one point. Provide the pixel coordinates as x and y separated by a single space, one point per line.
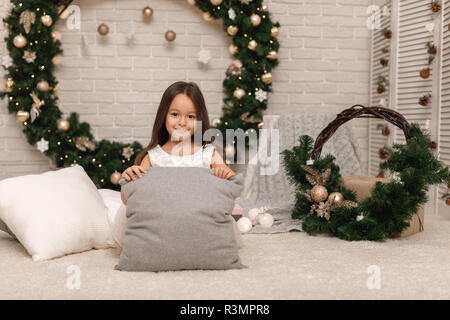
116 86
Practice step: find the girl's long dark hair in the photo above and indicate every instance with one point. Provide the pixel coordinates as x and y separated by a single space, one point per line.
160 135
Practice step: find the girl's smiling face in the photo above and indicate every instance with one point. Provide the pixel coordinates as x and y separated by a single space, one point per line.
181 117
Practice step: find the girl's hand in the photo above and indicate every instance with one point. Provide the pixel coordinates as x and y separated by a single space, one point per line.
128 174
223 172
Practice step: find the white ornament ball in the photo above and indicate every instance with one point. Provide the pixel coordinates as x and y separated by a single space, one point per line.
43 86
255 20
253 213
239 93
265 220
244 225
20 41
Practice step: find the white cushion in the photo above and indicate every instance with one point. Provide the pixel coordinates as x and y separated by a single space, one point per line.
116 213
55 213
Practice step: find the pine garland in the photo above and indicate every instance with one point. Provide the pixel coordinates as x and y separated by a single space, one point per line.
106 157
391 205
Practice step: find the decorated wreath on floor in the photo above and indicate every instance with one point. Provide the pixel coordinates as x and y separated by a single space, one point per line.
31 88
326 206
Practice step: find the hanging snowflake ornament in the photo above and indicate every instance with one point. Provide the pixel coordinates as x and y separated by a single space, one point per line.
7 61
204 56
127 152
261 95
29 56
231 14
42 145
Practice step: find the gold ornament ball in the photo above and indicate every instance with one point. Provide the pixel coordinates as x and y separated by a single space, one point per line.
103 29
47 20
56 35
7 27
170 35
56 59
20 41
216 2
63 125
43 86
336 197
255 20
233 49
8 84
319 193
264 8
216 122
266 78
252 44
147 13
232 30
274 32
22 116
191 2
272 55
239 93
115 177
207 16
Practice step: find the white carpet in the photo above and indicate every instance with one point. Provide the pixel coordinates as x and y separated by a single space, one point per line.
281 266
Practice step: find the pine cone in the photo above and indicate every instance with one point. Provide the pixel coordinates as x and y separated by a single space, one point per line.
424 101
432 50
435 7
432 145
388 34
425 73
383 153
384 62
381 88
380 175
385 131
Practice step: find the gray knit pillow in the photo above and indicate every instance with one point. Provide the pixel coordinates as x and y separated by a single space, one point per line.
176 220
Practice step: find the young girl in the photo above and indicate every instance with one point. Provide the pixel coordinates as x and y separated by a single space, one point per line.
172 143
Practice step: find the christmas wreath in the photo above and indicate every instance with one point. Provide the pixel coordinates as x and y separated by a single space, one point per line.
325 206
34 50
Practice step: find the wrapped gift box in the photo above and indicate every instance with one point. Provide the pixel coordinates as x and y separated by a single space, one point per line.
363 186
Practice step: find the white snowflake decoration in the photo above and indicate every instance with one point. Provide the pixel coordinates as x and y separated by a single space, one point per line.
261 95
127 152
42 145
231 14
204 56
7 61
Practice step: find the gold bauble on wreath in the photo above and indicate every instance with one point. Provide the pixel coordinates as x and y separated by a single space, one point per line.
46 20
336 197
103 29
63 125
239 93
207 16
22 115
115 177
147 13
7 27
216 2
272 55
274 32
232 30
252 44
43 86
56 59
264 8
19 41
9 84
255 20
266 78
170 35
319 193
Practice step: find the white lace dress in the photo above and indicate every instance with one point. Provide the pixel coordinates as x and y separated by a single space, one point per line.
160 158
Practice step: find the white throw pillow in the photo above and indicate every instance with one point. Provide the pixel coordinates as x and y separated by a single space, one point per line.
116 213
55 213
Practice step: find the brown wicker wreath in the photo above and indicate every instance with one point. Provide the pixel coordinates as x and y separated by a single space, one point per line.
359 111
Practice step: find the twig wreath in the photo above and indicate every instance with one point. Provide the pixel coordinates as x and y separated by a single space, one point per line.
391 205
34 50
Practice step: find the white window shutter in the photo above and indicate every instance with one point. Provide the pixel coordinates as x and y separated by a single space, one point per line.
444 115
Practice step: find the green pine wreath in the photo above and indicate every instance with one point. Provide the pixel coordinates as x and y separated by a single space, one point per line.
33 64
391 205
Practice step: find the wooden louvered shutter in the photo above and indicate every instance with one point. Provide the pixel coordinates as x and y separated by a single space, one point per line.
379 42
444 115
